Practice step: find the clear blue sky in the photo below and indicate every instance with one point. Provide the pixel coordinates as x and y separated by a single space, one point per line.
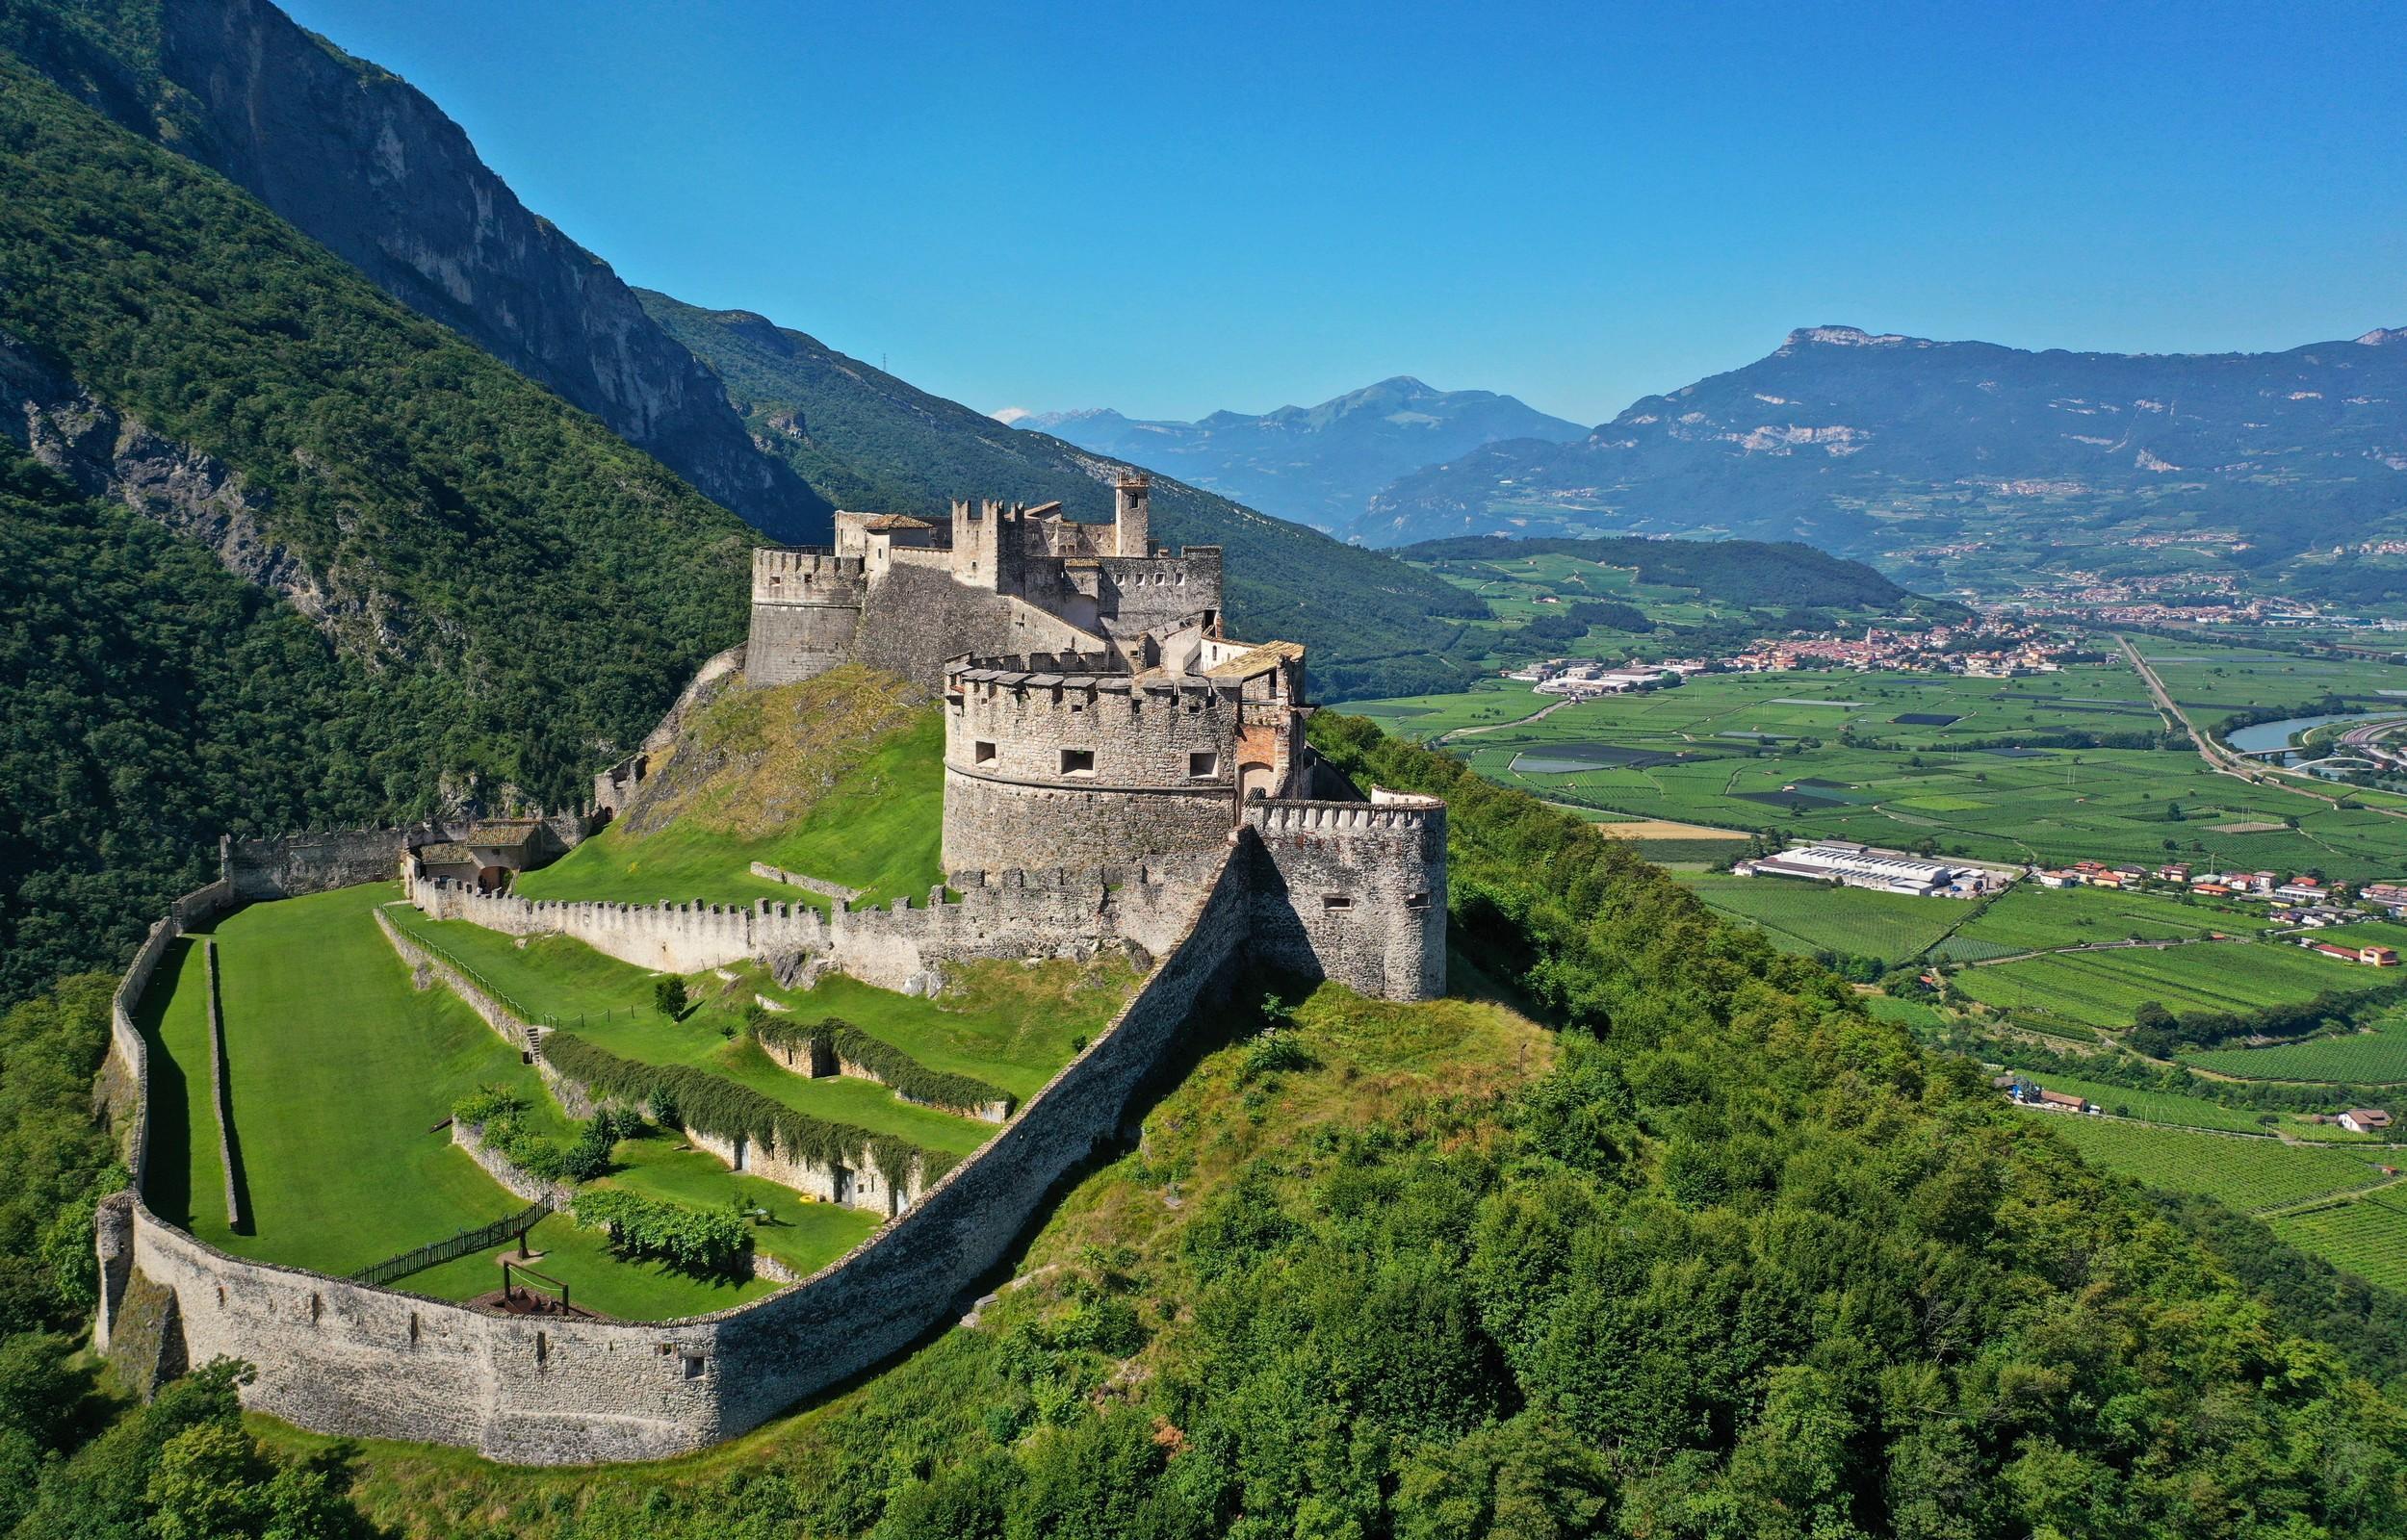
1177 209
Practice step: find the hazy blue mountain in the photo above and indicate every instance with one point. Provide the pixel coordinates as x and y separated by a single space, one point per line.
1866 444
1317 464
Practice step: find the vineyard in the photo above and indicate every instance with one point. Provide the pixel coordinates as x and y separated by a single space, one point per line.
2373 1058
2103 989
2248 1174
1809 917
2028 918
2158 1106
2367 1236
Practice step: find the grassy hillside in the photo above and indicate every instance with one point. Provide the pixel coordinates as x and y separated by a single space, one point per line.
871 441
1720 1255
840 777
465 529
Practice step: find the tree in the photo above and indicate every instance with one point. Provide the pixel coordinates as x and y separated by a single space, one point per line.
669 996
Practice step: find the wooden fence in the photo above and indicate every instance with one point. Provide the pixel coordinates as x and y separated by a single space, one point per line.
458 1245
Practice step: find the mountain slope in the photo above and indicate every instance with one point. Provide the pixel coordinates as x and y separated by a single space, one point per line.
366 165
1741 572
1316 464
455 530
875 442
1858 443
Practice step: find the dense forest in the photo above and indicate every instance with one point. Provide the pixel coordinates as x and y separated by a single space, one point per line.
1741 572
1730 1258
509 590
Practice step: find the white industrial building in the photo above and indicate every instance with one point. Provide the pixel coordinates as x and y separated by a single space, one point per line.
1841 863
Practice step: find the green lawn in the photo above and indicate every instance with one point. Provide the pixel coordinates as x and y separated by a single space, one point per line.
1801 916
598 1278
1009 1024
804 1235
877 828
2245 1173
610 1003
338 1072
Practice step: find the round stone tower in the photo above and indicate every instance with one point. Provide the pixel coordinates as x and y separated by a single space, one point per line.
1073 760
806 609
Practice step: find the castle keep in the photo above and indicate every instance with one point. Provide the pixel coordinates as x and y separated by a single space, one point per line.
1118 772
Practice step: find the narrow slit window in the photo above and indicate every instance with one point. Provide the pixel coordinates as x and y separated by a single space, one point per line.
1334 902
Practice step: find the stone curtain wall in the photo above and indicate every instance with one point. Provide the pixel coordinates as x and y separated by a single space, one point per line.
345 1359
218 1098
424 966
1353 891
916 620
997 914
294 865
913 1272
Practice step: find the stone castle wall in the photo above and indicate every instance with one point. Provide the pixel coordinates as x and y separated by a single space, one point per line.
1013 797
917 617
1353 891
994 915
806 609
291 866
347 1359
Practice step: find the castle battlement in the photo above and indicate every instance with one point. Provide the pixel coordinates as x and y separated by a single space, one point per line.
1298 816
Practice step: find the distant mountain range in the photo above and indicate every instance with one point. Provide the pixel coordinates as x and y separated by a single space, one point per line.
1887 446
1317 464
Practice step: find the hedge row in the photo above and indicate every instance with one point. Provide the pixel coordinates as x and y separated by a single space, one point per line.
896 1069
500 1113
710 1104
698 1239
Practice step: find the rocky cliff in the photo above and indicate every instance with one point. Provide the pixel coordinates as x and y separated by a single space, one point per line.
369 166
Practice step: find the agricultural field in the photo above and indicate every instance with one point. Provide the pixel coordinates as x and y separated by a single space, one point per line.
2103 989
2171 1106
1895 759
2031 918
2373 1058
2248 1174
2367 1237
1809 917
339 1074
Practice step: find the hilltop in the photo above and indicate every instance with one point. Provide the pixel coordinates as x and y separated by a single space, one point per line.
1317 464
1885 446
878 444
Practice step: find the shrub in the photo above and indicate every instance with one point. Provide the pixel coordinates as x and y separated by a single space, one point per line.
695 1239
669 995
894 1069
706 1103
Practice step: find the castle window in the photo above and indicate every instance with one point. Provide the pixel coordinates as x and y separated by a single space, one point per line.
1078 761
694 1366
983 751
1334 902
1416 901
1203 766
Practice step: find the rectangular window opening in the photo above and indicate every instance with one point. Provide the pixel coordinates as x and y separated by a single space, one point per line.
1336 901
1078 761
1203 765
694 1366
1416 901
983 751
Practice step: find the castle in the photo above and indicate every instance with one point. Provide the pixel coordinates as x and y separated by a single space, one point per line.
1118 772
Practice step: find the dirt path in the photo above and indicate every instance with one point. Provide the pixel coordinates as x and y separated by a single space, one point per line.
1498 727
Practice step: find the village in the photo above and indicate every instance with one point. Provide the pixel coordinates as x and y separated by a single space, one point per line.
1989 649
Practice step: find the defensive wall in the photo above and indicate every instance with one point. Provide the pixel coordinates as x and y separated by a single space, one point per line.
981 914
1351 890
353 1360
806 610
